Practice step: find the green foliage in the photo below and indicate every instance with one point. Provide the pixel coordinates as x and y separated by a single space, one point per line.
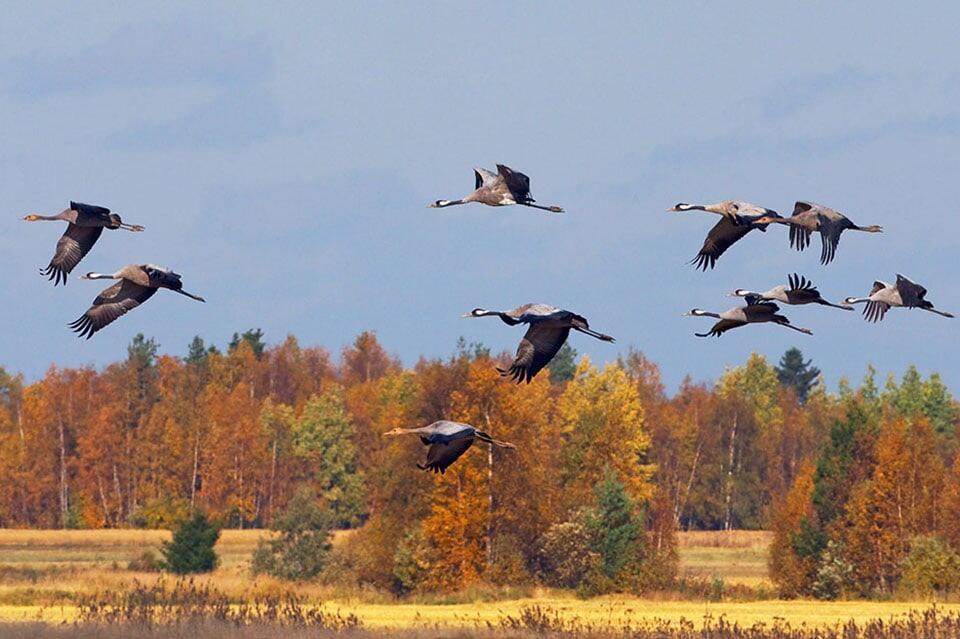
800 375
142 352
563 366
191 549
940 407
915 397
932 567
614 526
565 555
253 337
411 561
809 541
198 352
322 437
834 574
840 462
146 561
471 351
300 550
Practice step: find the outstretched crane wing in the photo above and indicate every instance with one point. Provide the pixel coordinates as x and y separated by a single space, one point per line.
518 183
72 246
722 236
722 327
441 455
112 303
538 346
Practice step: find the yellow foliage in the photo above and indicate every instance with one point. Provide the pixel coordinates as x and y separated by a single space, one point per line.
601 418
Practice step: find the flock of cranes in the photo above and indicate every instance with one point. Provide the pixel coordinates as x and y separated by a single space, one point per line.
548 327
739 218
138 282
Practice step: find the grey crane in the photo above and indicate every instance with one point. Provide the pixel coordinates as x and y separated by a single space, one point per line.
549 328
798 291
903 294
138 283
755 311
85 223
809 217
503 188
447 441
738 219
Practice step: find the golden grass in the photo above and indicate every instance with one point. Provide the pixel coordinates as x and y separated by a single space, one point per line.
42 570
739 557
724 539
612 610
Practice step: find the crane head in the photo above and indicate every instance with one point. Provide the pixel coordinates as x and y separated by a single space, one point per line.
32 217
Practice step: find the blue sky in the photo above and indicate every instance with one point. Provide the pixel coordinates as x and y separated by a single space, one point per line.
281 158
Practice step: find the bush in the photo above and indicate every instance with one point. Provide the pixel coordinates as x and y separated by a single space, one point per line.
191 549
565 554
834 574
411 561
931 567
300 551
509 566
147 561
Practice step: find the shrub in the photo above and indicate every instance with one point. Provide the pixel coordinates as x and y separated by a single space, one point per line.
834 574
411 561
509 566
931 567
191 549
147 561
565 555
300 551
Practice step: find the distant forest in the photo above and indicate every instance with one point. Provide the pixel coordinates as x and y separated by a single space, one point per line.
147 440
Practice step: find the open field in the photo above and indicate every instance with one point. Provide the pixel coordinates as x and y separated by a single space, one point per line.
739 557
41 572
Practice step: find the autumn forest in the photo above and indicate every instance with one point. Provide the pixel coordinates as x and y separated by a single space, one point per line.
859 483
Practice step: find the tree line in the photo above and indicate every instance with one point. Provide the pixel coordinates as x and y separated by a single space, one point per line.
608 465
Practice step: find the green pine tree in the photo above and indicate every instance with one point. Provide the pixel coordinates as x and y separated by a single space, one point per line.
563 366
793 371
191 549
254 337
198 352
142 352
614 526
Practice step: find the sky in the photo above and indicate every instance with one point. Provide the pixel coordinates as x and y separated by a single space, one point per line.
281 157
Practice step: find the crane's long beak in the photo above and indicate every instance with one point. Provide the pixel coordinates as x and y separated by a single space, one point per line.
191 295
132 227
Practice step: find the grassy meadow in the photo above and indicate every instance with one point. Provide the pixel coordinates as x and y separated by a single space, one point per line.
43 572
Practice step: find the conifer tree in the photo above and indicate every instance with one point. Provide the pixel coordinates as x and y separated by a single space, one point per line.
253 337
563 366
191 549
615 527
798 374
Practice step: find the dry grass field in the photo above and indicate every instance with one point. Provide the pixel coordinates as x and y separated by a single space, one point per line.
42 571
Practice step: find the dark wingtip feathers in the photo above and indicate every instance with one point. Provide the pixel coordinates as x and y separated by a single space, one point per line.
83 327
516 374
56 275
703 261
